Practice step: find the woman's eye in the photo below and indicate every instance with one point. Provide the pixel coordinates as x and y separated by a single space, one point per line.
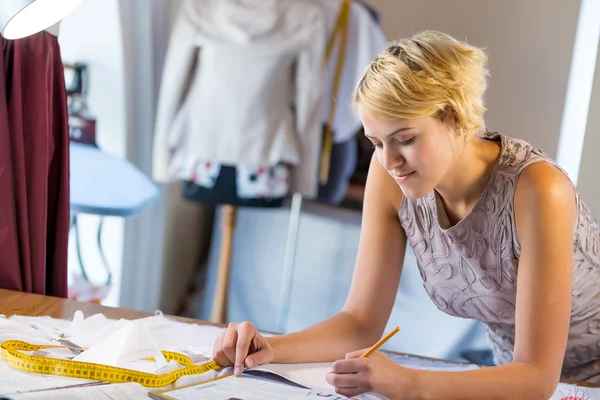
406 142
397 142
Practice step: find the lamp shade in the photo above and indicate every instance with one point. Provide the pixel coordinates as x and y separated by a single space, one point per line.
21 18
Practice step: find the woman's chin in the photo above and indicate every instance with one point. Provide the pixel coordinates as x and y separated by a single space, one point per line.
414 191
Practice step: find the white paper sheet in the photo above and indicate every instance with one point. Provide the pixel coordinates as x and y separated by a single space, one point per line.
13 381
310 375
124 391
247 388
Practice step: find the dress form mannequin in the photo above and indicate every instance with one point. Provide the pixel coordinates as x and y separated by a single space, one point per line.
217 123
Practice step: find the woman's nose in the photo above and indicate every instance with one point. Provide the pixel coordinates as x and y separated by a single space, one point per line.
391 159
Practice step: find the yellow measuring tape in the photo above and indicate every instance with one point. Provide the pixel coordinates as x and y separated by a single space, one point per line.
340 32
12 352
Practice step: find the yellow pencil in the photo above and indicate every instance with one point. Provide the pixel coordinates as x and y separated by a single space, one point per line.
380 343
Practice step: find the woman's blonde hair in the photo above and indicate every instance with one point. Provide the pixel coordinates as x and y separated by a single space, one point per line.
429 74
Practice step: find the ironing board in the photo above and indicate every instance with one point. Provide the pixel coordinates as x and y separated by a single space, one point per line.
103 184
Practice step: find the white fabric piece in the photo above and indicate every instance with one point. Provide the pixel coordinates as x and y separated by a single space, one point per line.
116 336
120 343
127 345
242 85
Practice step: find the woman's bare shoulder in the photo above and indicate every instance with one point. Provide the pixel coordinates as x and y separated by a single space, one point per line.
382 190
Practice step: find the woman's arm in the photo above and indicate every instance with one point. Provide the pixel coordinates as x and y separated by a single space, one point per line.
545 212
374 284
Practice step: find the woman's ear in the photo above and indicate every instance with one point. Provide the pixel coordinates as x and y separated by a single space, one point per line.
450 116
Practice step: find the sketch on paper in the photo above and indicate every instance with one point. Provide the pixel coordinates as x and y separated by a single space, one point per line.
572 393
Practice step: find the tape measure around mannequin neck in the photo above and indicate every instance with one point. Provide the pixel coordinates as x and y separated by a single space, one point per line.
340 33
12 352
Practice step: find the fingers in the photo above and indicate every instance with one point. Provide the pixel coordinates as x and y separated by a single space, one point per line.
245 335
229 342
347 384
355 354
347 381
263 352
218 353
349 377
349 392
241 345
351 366
263 356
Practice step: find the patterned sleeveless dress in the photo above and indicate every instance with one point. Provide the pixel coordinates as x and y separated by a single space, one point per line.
470 269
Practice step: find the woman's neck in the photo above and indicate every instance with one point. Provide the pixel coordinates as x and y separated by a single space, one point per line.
467 178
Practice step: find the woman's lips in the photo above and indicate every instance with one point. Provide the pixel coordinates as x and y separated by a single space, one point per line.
404 177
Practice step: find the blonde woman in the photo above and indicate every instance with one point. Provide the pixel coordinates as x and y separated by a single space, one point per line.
499 231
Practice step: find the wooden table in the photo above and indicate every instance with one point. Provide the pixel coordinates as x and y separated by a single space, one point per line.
18 303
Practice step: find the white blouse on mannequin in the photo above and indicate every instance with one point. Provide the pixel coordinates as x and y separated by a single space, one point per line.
242 85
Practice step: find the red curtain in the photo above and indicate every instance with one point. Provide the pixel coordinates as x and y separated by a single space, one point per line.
34 166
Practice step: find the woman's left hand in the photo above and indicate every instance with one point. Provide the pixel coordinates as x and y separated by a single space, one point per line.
377 373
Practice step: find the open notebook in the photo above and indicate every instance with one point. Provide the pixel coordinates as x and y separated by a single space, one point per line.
286 381
273 381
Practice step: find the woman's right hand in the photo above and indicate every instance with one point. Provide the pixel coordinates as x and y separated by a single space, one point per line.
241 345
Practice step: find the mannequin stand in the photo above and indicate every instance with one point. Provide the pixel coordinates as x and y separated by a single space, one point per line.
224 194
219 309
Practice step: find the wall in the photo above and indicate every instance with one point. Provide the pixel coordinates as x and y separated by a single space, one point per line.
92 34
529 43
588 174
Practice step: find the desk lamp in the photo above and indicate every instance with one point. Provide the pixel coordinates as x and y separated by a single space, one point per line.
22 18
